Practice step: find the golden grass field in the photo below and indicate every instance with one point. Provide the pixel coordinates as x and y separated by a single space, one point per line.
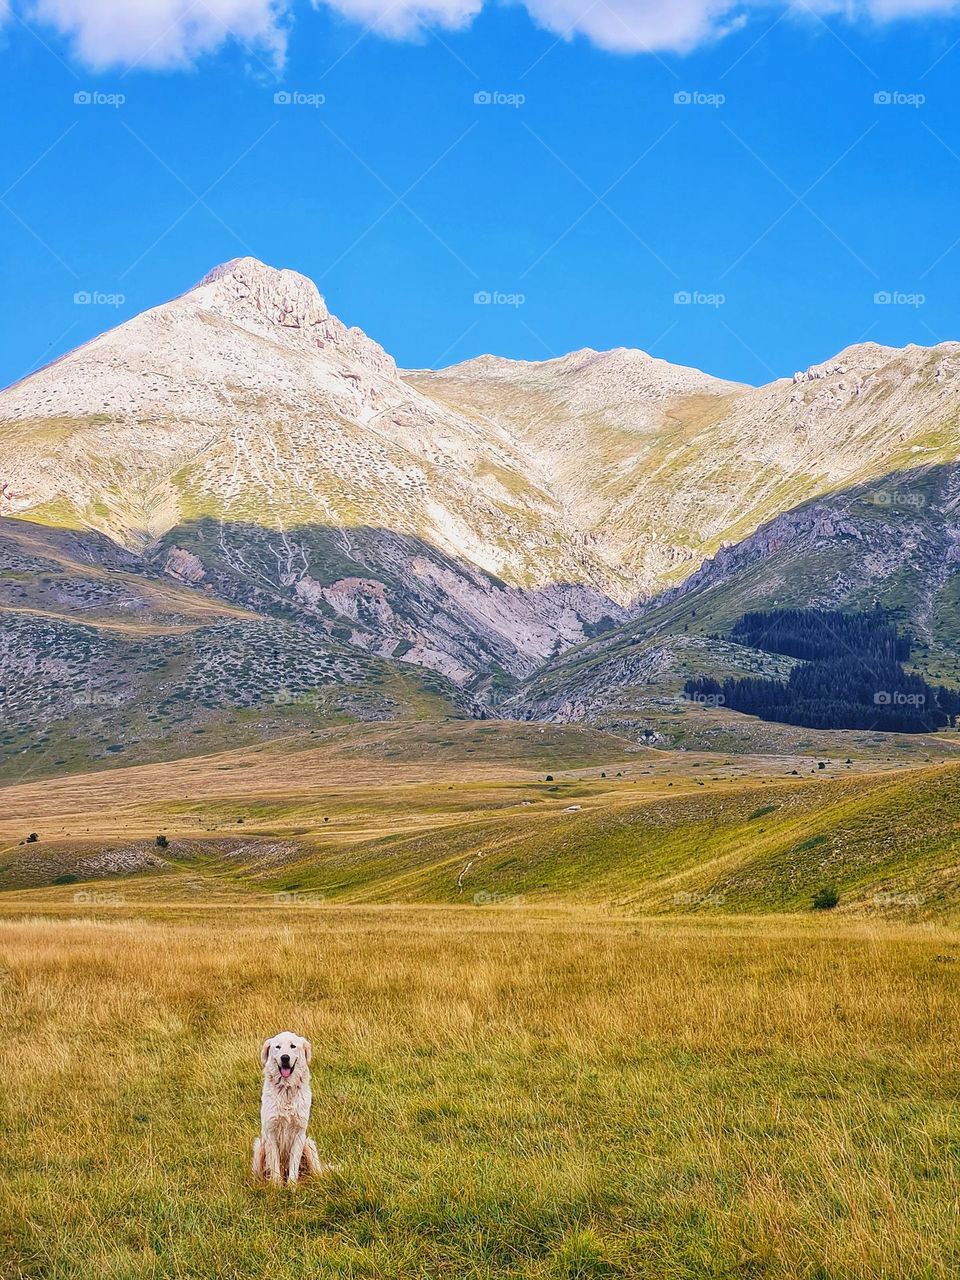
507 1092
572 1013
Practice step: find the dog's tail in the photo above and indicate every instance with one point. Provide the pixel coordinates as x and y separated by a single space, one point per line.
310 1162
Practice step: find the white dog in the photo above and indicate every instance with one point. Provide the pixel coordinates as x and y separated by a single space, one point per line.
283 1152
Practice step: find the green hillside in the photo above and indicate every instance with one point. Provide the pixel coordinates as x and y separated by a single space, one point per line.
444 814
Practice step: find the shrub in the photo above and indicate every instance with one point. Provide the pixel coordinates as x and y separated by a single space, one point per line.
811 843
162 842
761 813
825 899
32 838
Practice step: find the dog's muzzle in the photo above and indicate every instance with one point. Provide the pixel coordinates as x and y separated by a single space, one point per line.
286 1070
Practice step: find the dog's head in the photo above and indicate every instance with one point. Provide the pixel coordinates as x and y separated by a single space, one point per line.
285 1056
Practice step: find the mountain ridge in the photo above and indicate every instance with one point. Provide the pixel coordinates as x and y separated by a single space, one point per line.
479 521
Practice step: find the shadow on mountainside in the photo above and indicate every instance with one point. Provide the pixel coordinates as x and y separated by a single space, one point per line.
385 593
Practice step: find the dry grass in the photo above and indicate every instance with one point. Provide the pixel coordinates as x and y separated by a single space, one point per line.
509 1093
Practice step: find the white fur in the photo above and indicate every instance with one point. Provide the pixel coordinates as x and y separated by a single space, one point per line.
283 1152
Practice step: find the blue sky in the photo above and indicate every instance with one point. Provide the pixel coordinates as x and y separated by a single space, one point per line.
781 199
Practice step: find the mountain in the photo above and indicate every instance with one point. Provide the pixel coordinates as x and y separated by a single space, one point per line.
667 466
232 514
244 439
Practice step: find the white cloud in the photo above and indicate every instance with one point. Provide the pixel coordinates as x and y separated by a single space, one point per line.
168 33
400 18
638 25
681 25
162 33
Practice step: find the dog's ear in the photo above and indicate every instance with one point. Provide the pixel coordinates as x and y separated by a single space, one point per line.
307 1051
265 1052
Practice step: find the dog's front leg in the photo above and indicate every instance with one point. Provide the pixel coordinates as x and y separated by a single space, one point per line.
296 1154
274 1165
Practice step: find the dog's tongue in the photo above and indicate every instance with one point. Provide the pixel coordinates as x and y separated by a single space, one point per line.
286 1072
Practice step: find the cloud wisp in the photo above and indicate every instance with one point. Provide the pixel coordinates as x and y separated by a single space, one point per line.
163 34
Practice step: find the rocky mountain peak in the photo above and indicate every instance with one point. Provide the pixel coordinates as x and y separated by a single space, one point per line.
611 373
282 296
261 298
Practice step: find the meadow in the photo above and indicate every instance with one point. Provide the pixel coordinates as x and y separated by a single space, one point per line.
506 1091
572 1013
